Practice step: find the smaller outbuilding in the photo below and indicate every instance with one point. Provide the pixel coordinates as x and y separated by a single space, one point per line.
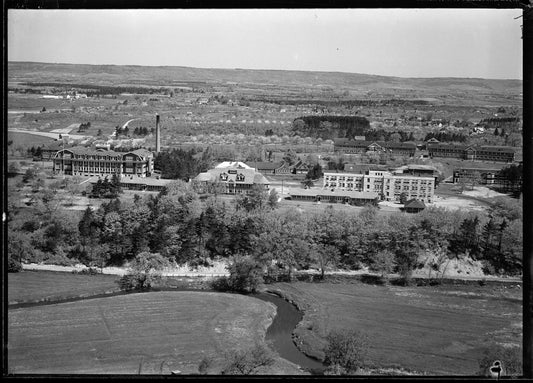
414 206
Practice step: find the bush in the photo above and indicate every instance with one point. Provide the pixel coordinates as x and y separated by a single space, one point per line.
346 350
127 282
87 271
205 365
247 362
510 358
220 284
13 266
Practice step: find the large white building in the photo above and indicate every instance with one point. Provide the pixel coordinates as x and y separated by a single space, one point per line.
237 177
387 185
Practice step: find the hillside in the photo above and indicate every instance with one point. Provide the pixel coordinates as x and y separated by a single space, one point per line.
176 76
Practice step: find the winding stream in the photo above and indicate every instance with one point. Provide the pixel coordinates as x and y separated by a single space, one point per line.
280 333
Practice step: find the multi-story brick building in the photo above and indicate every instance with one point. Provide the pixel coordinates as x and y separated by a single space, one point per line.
387 185
89 162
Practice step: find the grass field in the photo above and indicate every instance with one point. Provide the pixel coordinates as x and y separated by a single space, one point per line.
439 330
28 286
26 140
122 334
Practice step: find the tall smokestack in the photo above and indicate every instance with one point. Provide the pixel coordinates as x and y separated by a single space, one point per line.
157 134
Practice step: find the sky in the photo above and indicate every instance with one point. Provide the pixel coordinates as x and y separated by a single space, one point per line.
481 43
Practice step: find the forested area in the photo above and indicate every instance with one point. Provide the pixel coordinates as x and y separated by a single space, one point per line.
180 227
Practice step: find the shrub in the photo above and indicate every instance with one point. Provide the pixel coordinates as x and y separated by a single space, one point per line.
510 358
346 350
127 282
247 362
13 266
87 271
220 284
205 365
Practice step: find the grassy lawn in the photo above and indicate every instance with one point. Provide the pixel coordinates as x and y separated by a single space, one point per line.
125 334
28 286
439 330
26 140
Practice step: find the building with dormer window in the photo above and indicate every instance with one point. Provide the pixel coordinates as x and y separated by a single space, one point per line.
237 177
80 161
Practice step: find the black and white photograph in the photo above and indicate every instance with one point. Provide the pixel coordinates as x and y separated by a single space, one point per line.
265 192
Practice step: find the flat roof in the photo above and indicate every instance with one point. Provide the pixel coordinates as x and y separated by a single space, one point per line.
336 193
139 180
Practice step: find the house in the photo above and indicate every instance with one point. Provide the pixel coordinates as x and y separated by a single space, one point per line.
236 179
89 162
285 168
414 206
49 151
300 168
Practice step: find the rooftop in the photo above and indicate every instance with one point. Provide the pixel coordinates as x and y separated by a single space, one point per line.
336 193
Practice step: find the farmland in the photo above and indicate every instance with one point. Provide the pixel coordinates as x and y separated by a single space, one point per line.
147 333
437 330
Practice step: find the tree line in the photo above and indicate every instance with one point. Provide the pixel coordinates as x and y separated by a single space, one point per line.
182 228
100 90
446 137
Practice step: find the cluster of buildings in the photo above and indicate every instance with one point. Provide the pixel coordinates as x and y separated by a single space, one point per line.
434 147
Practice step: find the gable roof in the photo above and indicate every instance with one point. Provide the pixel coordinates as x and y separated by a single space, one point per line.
414 204
250 176
265 165
232 164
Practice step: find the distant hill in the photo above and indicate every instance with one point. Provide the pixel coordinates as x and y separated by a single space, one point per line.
177 75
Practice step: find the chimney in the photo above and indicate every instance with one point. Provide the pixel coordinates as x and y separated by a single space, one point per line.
157 135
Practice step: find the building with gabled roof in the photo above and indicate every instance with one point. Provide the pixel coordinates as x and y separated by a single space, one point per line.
472 152
90 162
266 167
237 179
344 145
414 206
